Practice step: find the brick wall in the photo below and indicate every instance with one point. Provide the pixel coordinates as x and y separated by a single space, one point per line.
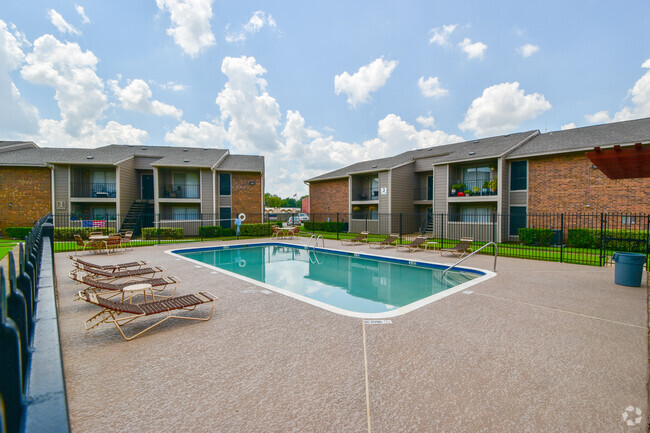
329 196
29 192
566 184
247 198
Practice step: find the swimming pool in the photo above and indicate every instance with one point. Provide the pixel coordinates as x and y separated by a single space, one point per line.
349 283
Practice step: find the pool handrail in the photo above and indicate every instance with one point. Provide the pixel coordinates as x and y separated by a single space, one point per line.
474 252
316 243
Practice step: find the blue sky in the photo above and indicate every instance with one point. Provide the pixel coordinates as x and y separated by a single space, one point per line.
314 86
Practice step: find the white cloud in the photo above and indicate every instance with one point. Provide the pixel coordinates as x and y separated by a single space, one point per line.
502 108
16 115
175 87
82 14
254 25
527 50
368 78
568 126
440 35
190 21
57 20
473 50
639 95
79 93
249 115
136 96
427 122
431 87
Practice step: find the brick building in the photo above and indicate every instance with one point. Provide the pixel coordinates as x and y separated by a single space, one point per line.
117 181
516 175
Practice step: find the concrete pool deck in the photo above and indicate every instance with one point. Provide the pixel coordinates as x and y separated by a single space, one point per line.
540 347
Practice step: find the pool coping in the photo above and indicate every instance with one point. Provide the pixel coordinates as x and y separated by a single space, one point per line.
485 275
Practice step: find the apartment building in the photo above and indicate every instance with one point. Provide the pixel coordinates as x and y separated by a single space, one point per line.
115 181
514 174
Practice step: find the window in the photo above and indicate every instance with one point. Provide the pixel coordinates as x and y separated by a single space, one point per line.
365 212
103 213
181 213
186 185
430 188
518 175
474 177
475 214
225 216
224 184
103 183
628 219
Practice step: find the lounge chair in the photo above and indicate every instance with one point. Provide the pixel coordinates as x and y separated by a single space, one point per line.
415 245
99 274
120 314
362 237
388 242
97 286
81 244
117 267
461 249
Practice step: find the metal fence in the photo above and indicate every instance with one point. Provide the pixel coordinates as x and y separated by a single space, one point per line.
574 238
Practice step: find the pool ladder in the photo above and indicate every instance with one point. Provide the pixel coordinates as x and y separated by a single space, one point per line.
316 243
471 254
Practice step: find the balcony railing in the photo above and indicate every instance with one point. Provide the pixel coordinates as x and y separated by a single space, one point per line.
360 194
475 188
85 189
177 190
423 193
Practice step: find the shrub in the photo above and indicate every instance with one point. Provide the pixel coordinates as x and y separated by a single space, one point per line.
541 237
262 230
165 232
326 226
228 232
210 231
17 232
67 233
623 240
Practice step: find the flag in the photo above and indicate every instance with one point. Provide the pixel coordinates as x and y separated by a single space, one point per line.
295 195
86 223
99 224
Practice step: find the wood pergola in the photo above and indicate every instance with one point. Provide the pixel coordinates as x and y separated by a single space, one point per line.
622 162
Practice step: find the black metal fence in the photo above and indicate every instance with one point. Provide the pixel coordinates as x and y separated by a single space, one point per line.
574 238
29 341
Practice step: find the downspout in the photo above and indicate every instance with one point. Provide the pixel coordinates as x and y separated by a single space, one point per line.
52 199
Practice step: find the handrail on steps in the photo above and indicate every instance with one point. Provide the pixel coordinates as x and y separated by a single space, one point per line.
316 243
474 252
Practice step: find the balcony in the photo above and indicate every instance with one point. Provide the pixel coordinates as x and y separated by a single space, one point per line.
474 188
98 190
176 190
423 193
364 194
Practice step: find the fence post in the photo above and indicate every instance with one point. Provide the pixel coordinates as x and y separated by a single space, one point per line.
494 227
561 237
337 226
602 240
647 241
158 228
400 227
201 227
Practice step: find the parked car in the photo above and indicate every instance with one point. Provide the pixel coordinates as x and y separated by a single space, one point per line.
271 217
303 217
294 221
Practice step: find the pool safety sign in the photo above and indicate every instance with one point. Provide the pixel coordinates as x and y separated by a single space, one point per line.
379 322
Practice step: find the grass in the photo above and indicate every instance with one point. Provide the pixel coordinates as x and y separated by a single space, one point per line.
6 245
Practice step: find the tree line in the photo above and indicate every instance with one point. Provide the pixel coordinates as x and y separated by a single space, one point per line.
272 200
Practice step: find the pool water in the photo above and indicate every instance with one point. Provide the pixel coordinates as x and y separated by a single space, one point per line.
354 283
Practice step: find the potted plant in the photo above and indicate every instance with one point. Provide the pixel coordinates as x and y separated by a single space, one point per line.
476 190
457 188
468 192
493 184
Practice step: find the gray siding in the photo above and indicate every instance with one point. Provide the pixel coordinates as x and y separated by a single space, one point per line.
128 188
424 164
440 188
207 193
504 196
143 163
401 190
518 198
61 187
384 206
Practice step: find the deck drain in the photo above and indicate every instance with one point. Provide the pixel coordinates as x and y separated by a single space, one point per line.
378 322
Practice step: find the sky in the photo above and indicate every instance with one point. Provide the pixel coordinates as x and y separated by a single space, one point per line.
315 86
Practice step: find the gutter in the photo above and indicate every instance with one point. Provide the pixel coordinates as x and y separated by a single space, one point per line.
216 164
576 150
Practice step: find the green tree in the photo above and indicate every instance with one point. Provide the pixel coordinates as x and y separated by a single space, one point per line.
272 200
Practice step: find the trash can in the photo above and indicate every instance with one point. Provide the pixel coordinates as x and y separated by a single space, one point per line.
629 269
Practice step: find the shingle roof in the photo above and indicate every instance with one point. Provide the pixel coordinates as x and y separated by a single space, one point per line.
242 163
586 138
482 148
114 153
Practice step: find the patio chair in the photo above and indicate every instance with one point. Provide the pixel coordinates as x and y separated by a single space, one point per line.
98 286
120 314
102 274
126 240
415 245
361 237
81 244
388 242
461 249
116 267
114 242
294 232
275 232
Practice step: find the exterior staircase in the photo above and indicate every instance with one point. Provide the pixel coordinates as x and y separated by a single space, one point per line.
134 219
427 224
